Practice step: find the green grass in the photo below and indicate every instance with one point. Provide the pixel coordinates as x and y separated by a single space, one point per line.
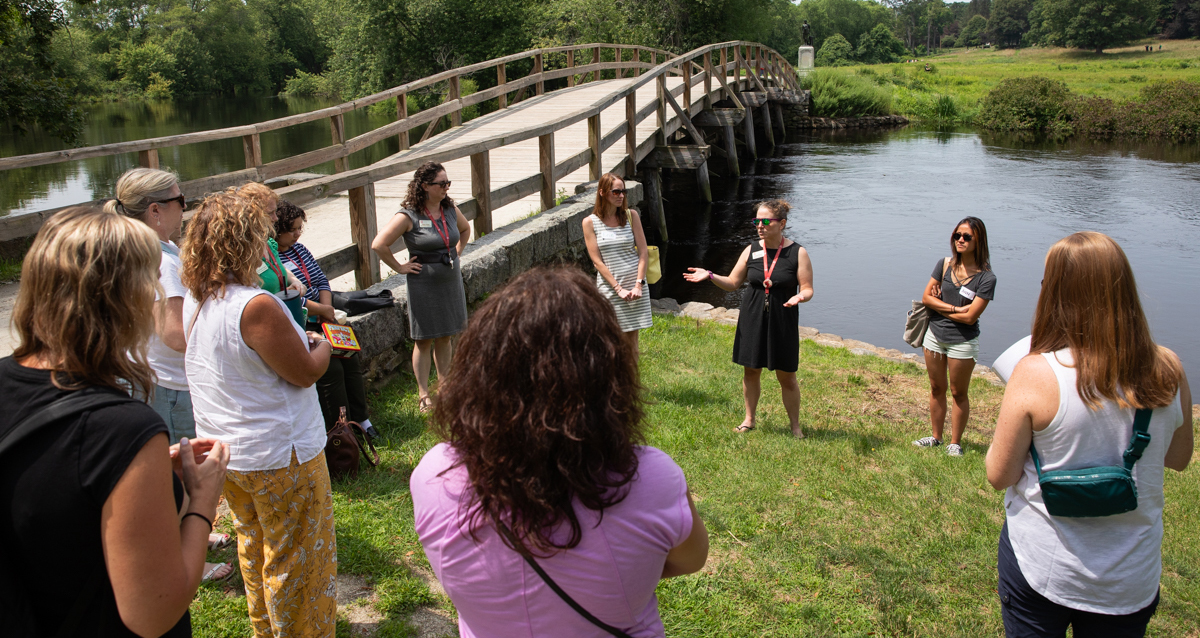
10 270
850 532
967 75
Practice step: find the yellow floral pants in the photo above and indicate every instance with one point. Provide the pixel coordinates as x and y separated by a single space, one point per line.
286 547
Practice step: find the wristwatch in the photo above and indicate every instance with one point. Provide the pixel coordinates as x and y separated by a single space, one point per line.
643 282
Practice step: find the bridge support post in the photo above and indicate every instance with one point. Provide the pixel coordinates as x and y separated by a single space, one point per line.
546 163
661 112
631 133
537 70
652 181
708 73
455 91
571 65
748 129
731 150
501 80
402 113
595 60
363 228
702 181
779 116
252 147
594 166
724 71
337 131
637 57
686 71
481 190
768 128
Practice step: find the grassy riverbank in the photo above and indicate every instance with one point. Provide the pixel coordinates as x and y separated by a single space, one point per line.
965 76
852 531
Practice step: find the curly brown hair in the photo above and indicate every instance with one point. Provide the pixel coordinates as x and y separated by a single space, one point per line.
86 301
777 207
224 243
544 407
425 174
287 213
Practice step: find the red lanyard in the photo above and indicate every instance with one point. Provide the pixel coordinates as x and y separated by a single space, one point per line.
304 269
767 271
444 231
278 273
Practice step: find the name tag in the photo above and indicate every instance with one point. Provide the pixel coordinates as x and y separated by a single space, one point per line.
262 268
424 223
757 254
967 293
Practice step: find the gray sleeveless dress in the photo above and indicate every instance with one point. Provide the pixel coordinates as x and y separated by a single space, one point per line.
437 304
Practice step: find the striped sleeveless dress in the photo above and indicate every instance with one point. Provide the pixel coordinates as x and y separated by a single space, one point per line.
618 249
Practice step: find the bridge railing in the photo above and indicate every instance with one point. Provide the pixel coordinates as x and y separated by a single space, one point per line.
751 64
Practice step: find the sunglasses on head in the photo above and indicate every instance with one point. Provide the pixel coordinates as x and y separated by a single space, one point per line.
181 199
619 192
763 221
444 184
962 236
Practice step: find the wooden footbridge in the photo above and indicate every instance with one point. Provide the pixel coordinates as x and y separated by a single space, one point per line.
626 109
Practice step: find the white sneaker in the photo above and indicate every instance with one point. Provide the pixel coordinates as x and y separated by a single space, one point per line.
954 449
928 441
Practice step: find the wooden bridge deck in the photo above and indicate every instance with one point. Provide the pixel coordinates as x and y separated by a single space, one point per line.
327 229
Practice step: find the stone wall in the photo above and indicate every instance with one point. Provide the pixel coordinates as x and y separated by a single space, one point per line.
555 236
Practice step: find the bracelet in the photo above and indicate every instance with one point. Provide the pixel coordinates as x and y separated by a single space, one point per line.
710 275
199 516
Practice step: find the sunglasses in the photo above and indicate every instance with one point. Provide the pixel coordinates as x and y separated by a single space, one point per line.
619 192
445 184
962 236
181 199
763 221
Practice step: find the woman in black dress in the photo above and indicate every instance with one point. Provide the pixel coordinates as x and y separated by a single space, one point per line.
780 276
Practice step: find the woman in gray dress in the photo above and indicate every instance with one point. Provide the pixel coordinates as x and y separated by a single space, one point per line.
436 233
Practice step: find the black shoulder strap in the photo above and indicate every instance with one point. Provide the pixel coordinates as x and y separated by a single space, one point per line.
559 590
1140 437
59 409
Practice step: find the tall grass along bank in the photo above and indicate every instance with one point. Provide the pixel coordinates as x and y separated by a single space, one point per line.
849 532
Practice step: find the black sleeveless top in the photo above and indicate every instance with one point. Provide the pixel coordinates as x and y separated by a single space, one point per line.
769 337
52 488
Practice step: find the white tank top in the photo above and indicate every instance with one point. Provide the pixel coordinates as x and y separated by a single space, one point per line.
1107 565
238 398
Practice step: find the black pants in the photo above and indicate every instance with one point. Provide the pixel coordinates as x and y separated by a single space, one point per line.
342 386
1028 614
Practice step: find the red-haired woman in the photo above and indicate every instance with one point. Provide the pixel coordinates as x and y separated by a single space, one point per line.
1070 405
617 246
544 471
436 233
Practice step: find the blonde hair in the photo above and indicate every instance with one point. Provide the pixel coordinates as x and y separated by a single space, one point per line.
86 302
137 188
1089 303
224 244
261 199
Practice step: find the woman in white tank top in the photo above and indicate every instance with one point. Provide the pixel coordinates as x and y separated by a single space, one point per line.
1092 364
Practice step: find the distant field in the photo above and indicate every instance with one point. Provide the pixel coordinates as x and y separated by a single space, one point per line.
968 74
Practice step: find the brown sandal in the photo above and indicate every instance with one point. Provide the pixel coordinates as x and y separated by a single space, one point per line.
425 404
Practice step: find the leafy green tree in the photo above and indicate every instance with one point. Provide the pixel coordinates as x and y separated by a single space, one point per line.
1093 24
879 46
33 88
850 18
138 63
836 51
1009 22
972 35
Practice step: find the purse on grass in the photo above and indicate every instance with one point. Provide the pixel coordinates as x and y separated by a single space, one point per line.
342 447
1095 491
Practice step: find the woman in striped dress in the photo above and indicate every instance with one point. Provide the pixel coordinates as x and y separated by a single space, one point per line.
617 246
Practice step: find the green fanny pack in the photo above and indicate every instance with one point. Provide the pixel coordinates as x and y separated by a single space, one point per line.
1095 491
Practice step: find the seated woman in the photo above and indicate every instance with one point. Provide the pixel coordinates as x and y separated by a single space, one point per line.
1093 374
342 384
251 369
553 478
94 543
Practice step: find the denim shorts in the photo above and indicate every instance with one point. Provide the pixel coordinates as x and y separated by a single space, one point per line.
175 407
965 350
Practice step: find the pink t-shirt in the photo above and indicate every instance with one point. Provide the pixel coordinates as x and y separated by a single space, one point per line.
612 573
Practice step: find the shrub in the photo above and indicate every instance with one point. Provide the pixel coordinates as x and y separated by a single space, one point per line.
1023 104
140 64
835 51
1169 109
839 94
308 85
879 45
948 42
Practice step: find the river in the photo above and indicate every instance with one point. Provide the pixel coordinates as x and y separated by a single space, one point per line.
876 209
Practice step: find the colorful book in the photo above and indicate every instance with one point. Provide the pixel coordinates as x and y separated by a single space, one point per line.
341 337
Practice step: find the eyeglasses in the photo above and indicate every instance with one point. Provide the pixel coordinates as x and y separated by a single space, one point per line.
962 236
181 199
445 184
619 192
763 221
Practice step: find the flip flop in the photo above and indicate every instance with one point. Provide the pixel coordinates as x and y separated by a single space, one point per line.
425 405
743 428
217 540
210 575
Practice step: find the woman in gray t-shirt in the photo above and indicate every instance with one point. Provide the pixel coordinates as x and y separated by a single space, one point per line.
959 289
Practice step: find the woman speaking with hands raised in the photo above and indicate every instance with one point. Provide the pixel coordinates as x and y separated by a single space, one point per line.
780 276
436 233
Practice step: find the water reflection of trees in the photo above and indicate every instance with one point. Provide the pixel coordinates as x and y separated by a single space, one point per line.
1007 143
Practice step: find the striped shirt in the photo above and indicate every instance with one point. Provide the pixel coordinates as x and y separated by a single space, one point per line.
305 267
618 250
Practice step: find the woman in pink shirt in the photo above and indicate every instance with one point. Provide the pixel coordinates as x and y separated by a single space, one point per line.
541 469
